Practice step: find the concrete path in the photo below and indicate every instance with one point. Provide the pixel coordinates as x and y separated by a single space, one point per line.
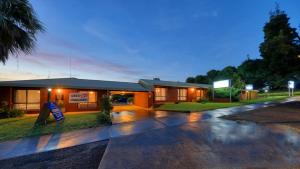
201 140
32 145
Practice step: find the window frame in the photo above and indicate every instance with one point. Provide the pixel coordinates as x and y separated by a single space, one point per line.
88 105
182 96
161 95
26 103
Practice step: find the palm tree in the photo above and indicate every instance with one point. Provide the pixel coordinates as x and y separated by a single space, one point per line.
18 28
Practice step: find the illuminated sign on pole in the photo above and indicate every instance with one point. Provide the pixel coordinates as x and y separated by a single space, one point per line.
249 87
291 84
221 84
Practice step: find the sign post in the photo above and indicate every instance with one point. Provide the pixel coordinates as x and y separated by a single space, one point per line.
291 86
222 84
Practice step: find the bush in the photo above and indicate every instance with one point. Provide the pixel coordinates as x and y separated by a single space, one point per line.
225 93
203 101
106 107
130 100
16 113
5 112
104 118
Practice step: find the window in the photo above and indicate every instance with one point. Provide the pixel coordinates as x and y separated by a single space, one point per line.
27 99
92 100
182 94
199 94
160 94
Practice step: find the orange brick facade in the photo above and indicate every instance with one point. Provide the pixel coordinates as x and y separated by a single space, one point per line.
142 99
172 95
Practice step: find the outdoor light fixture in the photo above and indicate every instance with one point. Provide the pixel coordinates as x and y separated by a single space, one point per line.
49 89
192 89
59 90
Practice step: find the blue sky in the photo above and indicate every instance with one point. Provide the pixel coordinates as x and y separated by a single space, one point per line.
126 40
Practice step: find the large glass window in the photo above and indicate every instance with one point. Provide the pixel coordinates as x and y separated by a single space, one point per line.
160 94
199 94
92 100
182 94
27 99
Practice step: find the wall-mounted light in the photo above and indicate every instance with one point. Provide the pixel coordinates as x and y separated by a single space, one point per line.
192 89
49 89
59 90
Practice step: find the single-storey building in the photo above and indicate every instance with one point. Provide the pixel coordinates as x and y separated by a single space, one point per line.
30 95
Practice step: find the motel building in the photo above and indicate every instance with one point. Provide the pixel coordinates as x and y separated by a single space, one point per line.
31 95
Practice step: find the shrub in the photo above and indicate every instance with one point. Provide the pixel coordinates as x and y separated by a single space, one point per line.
225 93
16 113
104 118
106 107
203 101
5 112
130 100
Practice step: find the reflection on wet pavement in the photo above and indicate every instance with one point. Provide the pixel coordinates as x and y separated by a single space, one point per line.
202 140
139 114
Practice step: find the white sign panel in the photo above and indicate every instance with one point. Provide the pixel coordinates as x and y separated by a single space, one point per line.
291 84
249 87
221 84
79 97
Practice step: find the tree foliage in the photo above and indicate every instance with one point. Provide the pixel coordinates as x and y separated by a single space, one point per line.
280 49
280 52
18 28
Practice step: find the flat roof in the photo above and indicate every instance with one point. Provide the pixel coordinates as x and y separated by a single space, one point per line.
148 83
76 84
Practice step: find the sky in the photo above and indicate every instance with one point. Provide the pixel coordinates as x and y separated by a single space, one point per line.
126 40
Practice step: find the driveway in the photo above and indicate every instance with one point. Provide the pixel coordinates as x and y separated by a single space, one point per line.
206 142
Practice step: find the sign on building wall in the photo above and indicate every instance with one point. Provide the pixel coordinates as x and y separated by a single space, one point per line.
79 97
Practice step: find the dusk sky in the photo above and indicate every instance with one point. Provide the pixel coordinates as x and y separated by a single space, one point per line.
125 40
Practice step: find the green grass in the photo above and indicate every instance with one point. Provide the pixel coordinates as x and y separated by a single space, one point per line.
264 99
279 93
20 127
191 106
14 128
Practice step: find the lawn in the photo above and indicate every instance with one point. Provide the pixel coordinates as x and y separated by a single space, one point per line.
189 106
14 128
279 93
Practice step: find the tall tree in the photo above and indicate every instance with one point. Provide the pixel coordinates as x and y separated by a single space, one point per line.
201 79
18 28
212 75
253 72
280 49
190 80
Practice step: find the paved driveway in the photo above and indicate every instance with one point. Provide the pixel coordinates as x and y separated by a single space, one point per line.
206 142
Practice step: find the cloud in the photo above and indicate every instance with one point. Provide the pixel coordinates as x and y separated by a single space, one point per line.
78 63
